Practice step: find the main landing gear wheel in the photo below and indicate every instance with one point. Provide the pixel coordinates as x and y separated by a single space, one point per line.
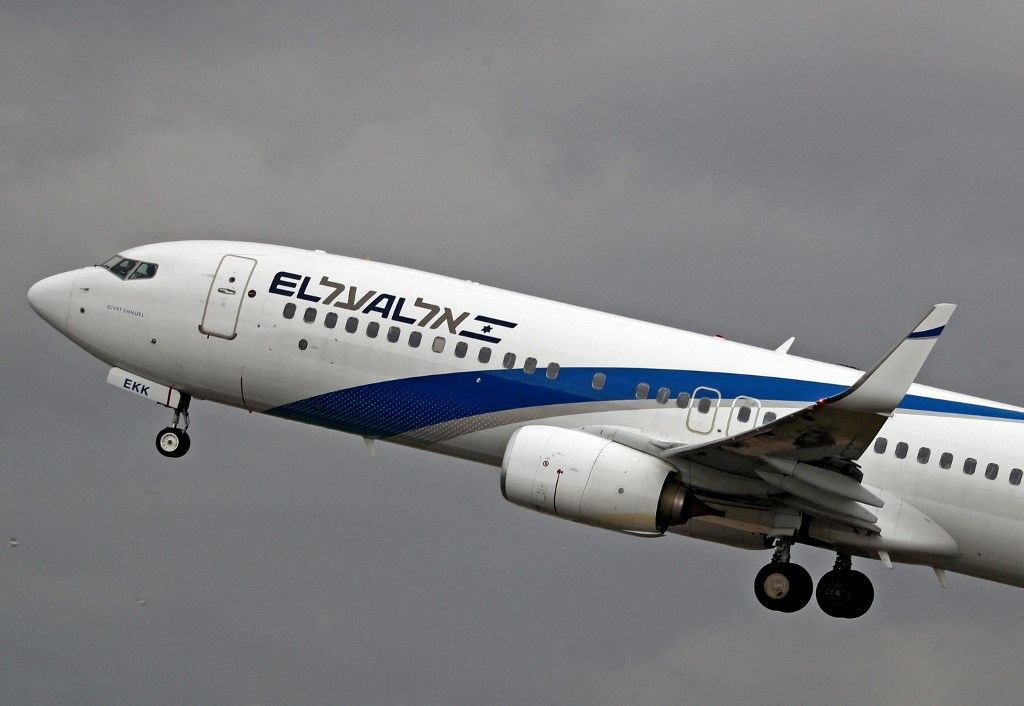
783 586
172 442
843 592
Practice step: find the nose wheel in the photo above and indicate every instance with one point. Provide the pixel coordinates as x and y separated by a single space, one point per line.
173 442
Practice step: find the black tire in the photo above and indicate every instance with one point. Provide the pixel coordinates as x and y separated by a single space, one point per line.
171 442
863 594
186 444
783 587
844 593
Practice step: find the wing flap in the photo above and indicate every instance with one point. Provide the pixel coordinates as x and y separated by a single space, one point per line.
827 481
845 520
805 491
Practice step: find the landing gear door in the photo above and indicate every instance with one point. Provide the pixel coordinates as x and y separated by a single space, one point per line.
224 302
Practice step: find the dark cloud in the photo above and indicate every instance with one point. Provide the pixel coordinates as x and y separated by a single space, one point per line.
760 170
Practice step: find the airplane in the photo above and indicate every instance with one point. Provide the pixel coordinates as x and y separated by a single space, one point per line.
592 417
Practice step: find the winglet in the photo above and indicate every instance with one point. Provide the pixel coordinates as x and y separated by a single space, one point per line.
882 387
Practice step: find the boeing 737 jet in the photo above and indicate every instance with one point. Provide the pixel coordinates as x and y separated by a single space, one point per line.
595 418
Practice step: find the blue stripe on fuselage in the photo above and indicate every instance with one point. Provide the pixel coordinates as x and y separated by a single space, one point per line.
400 406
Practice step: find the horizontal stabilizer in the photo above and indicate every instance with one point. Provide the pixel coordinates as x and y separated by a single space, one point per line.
882 387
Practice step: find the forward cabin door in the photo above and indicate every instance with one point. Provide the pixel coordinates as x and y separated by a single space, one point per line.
224 302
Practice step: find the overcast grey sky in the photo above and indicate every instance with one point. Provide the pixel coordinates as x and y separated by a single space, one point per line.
762 170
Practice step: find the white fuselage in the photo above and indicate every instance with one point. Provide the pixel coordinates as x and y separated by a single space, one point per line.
438 395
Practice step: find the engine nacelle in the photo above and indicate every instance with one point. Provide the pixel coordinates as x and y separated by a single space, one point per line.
590 479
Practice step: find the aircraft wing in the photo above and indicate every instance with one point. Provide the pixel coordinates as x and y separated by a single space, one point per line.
810 455
843 425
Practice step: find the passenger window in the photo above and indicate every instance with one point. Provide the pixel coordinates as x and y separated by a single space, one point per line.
663 394
880 444
704 406
394 333
372 329
414 339
438 344
770 417
530 366
289 311
683 400
642 391
991 471
331 320
309 315
1015 476
484 355
901 449
460 349
946 460
599 380
509 361
352 324
552 371
970 465
743 416
923 454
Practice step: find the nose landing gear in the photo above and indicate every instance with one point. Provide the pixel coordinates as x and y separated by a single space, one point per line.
783 586
173 442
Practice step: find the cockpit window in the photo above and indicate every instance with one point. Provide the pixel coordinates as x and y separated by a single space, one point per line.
120 266
124 268
145 270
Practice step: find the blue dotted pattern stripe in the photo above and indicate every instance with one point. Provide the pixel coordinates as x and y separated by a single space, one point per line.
400 406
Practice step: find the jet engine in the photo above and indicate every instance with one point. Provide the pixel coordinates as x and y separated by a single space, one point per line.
589 479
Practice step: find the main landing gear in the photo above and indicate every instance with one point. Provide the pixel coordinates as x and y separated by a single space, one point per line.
172 441
781 585
786 587
843 592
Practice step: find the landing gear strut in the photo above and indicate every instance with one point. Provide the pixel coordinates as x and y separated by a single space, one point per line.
781 585
843 592
172 441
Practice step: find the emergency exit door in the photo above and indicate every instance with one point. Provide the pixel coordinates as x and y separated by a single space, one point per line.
224 302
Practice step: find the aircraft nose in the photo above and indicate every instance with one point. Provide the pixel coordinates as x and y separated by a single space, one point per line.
51 297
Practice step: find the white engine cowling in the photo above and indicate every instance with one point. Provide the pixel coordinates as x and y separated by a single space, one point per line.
590 479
